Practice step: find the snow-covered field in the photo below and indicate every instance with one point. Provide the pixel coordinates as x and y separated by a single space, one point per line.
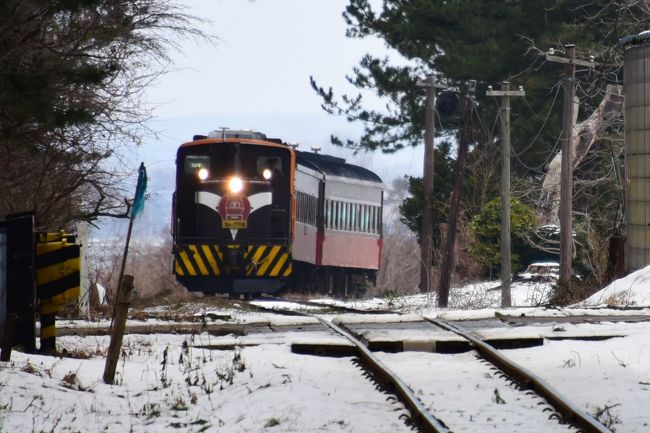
189 383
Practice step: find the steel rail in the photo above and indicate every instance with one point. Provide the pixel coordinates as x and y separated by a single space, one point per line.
571 413
420 416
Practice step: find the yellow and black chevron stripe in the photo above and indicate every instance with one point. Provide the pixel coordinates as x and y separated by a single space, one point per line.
57 271
256 260
57 280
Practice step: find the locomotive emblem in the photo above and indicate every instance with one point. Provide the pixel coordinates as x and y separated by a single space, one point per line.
234 210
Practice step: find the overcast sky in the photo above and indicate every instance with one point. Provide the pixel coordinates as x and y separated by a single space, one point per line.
257 77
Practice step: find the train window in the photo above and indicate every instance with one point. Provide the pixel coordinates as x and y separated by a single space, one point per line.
337 215
360 216
306 208
193 163
358 221
373 215
310 214
376 219
271 165
301 207
328 213
348 219
366 219
358 224
379 219
299 200
364 214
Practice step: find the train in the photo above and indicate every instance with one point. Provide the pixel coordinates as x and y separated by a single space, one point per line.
254 215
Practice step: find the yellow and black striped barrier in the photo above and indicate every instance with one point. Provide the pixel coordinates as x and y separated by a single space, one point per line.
232 260
57 280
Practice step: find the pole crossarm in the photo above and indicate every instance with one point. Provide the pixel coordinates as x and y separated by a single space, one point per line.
571 61
430 82
505 93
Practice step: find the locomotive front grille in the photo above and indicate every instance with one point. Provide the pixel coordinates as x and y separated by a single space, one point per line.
194 260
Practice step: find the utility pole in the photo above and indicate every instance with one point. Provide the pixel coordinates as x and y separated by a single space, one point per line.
426 235
566 173
454 206
505 93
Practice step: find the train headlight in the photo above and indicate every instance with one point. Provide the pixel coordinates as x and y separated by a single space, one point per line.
266 173
235 185
202 173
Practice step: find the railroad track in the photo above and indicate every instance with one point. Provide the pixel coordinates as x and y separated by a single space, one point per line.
569 416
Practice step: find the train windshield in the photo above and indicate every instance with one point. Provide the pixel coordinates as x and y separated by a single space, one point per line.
223 160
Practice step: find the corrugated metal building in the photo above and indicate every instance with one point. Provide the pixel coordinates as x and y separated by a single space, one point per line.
637 150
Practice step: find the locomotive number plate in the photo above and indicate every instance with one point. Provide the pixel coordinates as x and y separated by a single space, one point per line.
234 224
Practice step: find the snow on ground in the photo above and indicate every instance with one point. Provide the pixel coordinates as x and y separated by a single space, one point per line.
166 385
610 378
632 290
189 383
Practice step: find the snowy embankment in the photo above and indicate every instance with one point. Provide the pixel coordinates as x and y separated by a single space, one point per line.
632 290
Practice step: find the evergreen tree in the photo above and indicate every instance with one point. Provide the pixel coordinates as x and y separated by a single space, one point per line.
411 207
489 41
485 40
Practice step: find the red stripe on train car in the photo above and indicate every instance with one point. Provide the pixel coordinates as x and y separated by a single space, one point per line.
380 245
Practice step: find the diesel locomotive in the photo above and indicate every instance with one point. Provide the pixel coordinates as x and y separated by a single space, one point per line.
253 215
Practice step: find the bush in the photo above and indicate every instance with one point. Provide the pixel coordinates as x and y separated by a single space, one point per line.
485 231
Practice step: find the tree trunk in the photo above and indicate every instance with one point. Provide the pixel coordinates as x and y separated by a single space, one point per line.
585 134
454 206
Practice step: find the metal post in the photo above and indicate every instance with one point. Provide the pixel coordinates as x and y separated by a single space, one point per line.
566 174
505 93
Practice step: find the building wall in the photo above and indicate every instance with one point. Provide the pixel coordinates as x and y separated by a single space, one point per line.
637 155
